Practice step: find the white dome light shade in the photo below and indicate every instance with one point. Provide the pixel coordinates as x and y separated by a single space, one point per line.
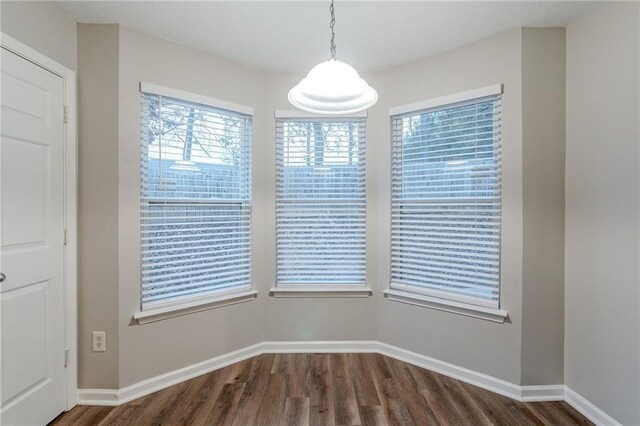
334 88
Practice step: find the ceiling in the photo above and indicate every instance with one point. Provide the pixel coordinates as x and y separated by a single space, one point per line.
294 35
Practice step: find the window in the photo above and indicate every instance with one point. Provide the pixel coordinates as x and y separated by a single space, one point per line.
446 200
196 200
320 205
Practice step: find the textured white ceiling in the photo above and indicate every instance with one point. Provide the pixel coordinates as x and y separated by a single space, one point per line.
294 36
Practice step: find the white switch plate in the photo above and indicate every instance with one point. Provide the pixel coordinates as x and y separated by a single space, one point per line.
99 341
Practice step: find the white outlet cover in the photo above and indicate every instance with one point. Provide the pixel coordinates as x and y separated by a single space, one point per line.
99 341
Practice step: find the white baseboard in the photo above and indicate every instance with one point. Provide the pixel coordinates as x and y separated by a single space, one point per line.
587 409
540 393
114 397
460 373
336 346
493 384
107 397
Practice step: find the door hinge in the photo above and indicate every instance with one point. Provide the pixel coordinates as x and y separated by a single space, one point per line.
67 357
65 114
65 236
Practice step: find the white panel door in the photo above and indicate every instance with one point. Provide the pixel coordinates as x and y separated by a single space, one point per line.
32 225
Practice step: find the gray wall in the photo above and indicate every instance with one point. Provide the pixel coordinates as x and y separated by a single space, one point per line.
156 348
530 62
43 27
602 328
495 349
98 203
113 60
300 318
484 346
543 142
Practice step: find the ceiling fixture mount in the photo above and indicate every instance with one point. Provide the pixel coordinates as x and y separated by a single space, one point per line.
333 87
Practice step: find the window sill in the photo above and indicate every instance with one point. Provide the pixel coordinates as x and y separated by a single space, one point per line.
488 314
320 291
170 311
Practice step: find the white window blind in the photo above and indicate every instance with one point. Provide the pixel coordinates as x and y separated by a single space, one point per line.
196 200
320 205
446 201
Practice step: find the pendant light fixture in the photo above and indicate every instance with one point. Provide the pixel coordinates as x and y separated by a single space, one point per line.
333 87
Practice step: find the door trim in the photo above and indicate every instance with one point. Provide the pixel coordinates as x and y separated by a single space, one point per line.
70 204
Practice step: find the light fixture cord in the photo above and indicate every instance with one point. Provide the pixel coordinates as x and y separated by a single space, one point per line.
333 34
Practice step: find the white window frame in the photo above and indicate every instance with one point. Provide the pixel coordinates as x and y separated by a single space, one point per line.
213 299
430 299
318 290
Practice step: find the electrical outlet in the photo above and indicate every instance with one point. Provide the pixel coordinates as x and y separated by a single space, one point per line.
99 341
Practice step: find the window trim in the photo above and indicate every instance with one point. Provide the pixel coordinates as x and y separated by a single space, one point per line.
182 95
420 297
212 299
319 290
448 100
417 299
194 304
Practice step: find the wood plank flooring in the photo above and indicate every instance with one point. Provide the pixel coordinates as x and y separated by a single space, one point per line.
324 389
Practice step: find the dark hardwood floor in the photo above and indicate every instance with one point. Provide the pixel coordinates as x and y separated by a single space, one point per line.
324 389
